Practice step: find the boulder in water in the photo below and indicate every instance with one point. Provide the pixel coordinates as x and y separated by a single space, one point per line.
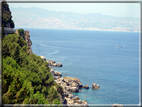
95 86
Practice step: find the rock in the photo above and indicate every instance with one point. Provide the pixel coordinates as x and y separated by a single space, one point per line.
53 61
79 101
84 102
86 86
69 85
95 86
43 58
70 80
70 96
54 64
74 85
50 62
67 88
56 73
74 89
63 84
59 65
76 98
117 105
66 93
52 72
57 77
69 101
61 79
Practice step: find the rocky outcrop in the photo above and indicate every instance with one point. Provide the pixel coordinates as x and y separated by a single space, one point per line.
59 65
72 80
69 85
117 105
28 40
95 86
86 86
56 73
26 37
52 63
43 58
7 22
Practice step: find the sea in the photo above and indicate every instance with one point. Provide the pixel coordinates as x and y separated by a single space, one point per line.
108 58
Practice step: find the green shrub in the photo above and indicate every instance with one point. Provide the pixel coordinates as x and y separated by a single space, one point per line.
26 77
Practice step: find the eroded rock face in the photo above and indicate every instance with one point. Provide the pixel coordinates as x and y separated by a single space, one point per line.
76 98
53 63
71 80
74 89
56 73
69 85
95 86
50 62
6 15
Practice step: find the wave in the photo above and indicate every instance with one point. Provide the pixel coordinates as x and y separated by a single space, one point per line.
56 51
42 44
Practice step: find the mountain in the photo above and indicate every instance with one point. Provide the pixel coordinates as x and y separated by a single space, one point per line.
41 18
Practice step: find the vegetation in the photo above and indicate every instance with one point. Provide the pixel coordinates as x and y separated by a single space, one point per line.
21 33
26 77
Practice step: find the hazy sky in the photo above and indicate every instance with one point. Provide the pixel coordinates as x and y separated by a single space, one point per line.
114 9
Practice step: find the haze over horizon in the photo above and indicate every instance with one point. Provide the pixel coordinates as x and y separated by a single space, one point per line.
42 18
113 9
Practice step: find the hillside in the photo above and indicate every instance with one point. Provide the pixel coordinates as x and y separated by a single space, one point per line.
42 18
26 78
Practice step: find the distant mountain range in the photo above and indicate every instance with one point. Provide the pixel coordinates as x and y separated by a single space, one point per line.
41 18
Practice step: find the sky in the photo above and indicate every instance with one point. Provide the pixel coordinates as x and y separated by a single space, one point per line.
113 9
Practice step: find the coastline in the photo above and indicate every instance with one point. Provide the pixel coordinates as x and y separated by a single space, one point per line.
69 85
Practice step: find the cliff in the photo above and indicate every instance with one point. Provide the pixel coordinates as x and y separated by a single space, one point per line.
26 37
7 22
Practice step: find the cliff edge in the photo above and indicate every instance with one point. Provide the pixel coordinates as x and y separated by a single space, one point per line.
26 36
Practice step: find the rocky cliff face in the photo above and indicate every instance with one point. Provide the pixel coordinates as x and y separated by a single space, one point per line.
28 40
8 25
7 22
26 37
6 16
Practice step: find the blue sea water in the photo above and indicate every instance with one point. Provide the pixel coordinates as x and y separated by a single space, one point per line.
94 57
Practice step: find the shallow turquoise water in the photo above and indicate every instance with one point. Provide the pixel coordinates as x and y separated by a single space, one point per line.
94 57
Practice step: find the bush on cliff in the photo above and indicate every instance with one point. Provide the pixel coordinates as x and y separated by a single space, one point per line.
21 33
26 77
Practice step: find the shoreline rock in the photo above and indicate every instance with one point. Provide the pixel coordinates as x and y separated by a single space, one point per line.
69 85
51 63
86 86
95 86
